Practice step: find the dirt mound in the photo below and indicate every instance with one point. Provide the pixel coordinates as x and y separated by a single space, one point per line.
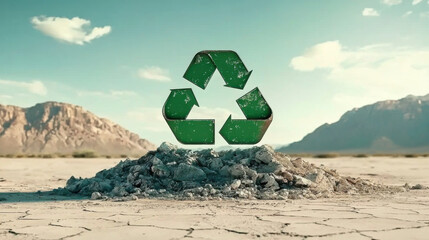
255 173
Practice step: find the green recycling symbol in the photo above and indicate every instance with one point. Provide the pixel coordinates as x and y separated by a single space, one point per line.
201 131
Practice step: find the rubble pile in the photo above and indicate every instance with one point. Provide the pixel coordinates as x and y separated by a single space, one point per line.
182 174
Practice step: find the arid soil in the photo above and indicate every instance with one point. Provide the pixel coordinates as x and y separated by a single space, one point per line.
28 214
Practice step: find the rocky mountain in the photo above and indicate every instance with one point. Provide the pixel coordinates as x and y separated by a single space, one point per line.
54 127
393 126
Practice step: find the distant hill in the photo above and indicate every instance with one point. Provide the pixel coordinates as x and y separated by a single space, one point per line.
393 126
53 127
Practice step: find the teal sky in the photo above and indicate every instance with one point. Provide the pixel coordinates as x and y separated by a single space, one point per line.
312 60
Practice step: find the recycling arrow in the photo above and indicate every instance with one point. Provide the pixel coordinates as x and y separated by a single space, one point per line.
177 108
228 63
201 131
251 130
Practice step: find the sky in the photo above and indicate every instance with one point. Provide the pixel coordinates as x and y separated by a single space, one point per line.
312 60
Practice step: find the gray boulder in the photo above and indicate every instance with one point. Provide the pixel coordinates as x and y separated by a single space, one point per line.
301 181
269 182
216 164
237 171
185 172
161 170
235 184
265 154
166 147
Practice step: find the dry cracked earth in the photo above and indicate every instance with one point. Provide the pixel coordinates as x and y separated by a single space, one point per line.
27 214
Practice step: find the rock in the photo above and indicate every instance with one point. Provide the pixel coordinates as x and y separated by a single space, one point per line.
297 162
208 171
96 196
283 192
151 191
247 182
244 193
301 181
418 187
286 175
189 173
342 186
271 167
316 176
155 161
265 154
235 184
224 171
119 191
246 161
269 182
237 171
256 173
161 170
216 164
252 174
166 147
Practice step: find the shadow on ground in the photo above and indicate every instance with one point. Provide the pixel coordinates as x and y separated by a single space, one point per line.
39 196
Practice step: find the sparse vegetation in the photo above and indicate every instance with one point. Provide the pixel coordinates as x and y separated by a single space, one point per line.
361 155
84 154
301 155
411 155
123 155
326 155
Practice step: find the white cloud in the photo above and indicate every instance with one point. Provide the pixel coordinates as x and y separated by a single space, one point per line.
323 55
75 30
407 14
154 73
391 2
415 2
374 72
36 87
370 12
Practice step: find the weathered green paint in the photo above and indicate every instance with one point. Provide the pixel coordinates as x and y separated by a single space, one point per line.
201 131
228 63
254 106
179 103
252 129
193 131
242 131
176 109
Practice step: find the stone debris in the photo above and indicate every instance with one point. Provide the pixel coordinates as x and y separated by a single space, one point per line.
183 174
415 187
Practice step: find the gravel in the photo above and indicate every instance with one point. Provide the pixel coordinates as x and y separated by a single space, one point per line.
183 174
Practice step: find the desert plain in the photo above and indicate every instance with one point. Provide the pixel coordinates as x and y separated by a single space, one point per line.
27 212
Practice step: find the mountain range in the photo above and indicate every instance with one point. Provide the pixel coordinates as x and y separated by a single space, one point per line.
54 127
392 126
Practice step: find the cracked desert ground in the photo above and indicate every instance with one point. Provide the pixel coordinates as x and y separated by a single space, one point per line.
25 214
